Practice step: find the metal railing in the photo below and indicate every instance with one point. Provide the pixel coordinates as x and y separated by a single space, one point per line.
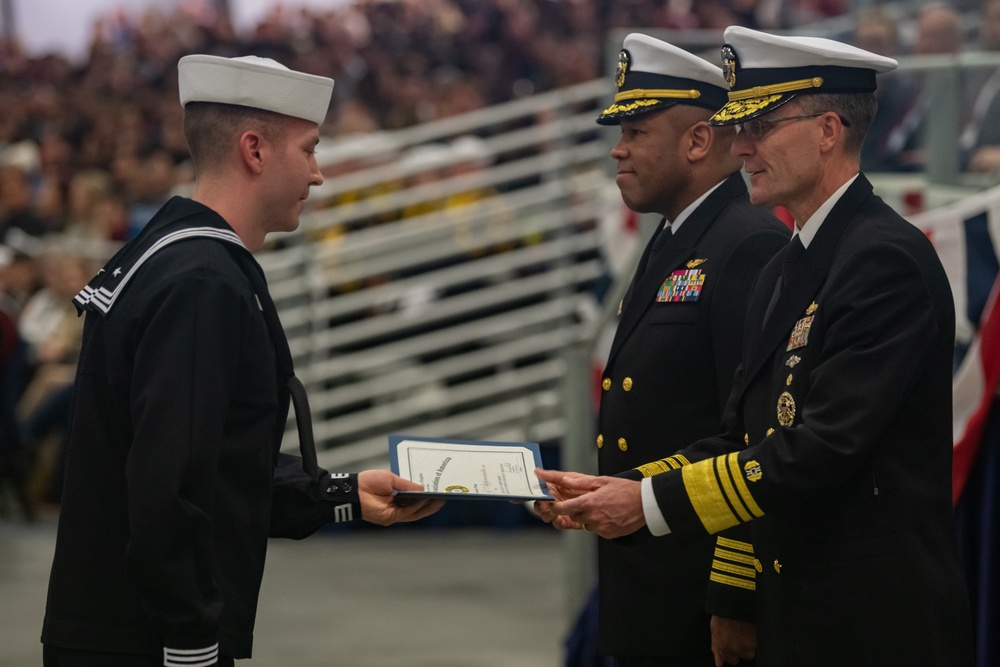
425 296
433 290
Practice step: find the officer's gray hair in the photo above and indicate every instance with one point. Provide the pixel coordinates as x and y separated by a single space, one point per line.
858 109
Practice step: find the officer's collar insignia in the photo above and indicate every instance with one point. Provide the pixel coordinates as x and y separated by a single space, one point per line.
792 361
812 308
696 262
624 60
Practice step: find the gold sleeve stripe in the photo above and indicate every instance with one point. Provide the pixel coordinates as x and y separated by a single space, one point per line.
682 459
741 486
734 544
775 89
747 572
662 466
705 493
730 490
732 581
719 494
659 93
654 468
734 556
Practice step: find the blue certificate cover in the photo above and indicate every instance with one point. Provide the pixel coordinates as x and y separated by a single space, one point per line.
469 469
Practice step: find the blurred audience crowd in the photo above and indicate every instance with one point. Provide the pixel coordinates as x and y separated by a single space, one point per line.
89 151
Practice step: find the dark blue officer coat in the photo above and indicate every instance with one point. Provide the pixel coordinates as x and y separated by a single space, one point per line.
665 385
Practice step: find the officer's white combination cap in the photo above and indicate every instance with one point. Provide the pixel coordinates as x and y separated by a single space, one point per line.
259 83
653 75
764 71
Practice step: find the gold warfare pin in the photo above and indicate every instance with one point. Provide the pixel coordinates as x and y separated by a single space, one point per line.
786 409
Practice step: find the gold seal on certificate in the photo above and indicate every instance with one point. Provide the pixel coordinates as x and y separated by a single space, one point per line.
473 469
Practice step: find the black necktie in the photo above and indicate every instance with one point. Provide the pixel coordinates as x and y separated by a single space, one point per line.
792 255
663 235
666 232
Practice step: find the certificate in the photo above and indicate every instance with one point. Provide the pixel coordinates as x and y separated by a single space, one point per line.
470 469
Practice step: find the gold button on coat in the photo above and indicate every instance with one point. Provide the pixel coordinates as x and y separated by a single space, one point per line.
606 384
627 384
622 445
600 441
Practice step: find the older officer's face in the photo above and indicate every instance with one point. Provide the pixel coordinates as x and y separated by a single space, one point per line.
780 153
651 172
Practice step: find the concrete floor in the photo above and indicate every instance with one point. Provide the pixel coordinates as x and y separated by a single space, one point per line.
413 597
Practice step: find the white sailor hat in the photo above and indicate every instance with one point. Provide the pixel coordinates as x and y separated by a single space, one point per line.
764 71
653 75
260 83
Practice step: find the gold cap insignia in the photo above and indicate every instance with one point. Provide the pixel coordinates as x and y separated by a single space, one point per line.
729 65
786 409
793 361
812 308
753 471
624 59
696 262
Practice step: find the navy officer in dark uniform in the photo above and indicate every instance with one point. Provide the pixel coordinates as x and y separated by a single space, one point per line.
676 349
836 444
174 477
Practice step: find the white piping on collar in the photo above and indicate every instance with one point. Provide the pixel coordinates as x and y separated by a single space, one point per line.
104 298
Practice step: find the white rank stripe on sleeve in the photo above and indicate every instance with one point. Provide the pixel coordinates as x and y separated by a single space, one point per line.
198 657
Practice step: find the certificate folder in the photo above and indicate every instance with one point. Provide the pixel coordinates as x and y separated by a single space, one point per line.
469 469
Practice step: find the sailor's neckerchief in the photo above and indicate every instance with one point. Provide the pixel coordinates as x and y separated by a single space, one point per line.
172 224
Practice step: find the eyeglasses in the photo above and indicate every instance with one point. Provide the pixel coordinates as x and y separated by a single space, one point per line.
757 128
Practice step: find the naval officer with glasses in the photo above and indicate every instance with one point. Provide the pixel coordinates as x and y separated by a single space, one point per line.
836 443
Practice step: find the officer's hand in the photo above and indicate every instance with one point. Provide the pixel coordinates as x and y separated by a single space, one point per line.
378 504
543 508
608 506
732 640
